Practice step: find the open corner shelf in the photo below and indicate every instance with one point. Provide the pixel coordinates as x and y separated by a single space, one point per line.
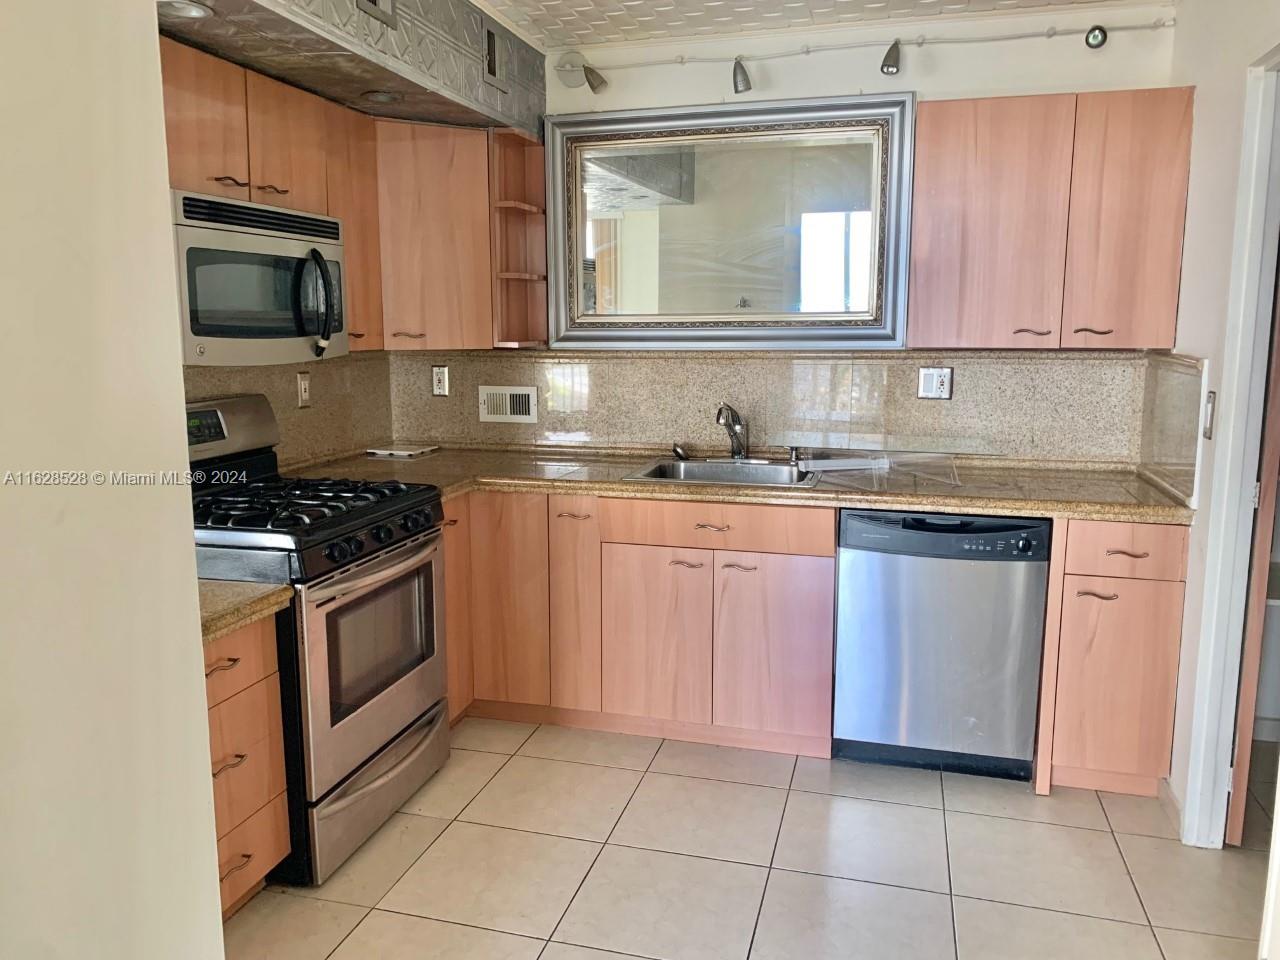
519 206
518 233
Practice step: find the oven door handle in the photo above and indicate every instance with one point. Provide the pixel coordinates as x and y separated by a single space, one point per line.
332 810
371 576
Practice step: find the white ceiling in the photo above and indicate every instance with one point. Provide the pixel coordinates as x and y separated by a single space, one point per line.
573 23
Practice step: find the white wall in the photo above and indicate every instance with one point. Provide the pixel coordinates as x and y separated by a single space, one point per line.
1130 59
106 812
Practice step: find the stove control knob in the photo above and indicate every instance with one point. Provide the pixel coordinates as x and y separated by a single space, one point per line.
354 544
337 552
382 533
409 523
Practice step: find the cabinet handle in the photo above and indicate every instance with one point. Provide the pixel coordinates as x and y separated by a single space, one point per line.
230 765
738 566
711 526
411 336
1097 596
355 336
226 664
1100 333
273 188
226 178
1128 553
1034 333
685 563
451 523
245 860
575 516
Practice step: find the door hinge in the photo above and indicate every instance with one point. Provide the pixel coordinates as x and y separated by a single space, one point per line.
1257 495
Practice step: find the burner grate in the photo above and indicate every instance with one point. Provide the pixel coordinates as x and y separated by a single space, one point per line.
285 504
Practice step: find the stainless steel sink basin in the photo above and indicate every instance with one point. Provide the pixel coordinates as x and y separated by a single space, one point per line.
756 473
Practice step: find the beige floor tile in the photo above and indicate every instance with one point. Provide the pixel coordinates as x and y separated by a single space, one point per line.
864 840
665 905
382 860
870 781
1040 865
1013 798
393 936
490 736
823 918
1264 761
565 951
705 818
277 926
1257 825
999 931
1180 945
591 746
499 879
455 784
1205 891
1144 816
724 763
551 796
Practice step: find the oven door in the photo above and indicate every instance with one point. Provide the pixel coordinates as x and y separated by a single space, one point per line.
372 655
252 298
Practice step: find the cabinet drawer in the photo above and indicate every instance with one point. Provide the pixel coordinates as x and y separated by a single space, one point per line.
807 531
247 853
239 660
246 745
1141 551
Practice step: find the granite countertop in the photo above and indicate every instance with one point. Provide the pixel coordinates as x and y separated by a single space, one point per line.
974 486
227 605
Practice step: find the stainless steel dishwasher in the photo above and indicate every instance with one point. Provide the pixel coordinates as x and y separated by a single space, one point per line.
939 638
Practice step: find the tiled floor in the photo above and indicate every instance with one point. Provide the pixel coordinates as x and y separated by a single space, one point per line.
571 845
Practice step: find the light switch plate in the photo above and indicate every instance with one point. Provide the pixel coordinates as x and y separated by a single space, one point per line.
304 389
935 383
439 381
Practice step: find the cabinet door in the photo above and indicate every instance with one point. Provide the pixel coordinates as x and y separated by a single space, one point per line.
1117 675
457 604
509 618
205 122
433 211
1128 204
287 156
574 568
989 221
774 640
656 636
352 172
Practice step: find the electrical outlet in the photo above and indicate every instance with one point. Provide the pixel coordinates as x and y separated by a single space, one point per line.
304 389
935 383
439 381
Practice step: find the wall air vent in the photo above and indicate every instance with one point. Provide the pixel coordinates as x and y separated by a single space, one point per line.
494 53
508 404
384 10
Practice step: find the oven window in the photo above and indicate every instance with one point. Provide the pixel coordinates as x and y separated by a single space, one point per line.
252 295
377 639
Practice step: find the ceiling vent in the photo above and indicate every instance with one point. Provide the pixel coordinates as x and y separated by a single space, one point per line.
384 10
509 404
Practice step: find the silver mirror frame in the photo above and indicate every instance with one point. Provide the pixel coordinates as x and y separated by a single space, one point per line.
789 332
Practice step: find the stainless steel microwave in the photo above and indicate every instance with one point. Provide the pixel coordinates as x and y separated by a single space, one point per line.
257 284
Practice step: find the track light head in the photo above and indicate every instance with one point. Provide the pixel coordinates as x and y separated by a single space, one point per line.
741 79
595 79
1095 38
892 61
573 70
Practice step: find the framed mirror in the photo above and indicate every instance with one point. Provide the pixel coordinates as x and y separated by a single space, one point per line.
778 225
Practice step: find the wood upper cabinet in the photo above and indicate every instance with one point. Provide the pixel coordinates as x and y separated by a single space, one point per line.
206 123
352 172
774 640
433 211
457 604
574 567
656 636
509 595
992 189
1128 206
287 153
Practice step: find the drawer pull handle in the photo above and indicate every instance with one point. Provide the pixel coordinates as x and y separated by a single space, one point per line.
273 188
411 336
686 563
355 336
1034 333
225 664
451 523
230 765
738 566
1128 553
575 516
711 526
226 178
1093 330
1097 596
245 860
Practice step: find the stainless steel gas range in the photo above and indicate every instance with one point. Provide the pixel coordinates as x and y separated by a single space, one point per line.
362 650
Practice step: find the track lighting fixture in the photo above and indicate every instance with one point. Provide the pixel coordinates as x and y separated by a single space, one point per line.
892 61
574 71
183 10
741 79
595 79
1096 37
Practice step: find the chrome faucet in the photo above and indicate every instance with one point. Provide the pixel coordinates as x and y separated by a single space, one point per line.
732 421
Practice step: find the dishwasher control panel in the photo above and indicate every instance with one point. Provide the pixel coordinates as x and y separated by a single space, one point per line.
945 536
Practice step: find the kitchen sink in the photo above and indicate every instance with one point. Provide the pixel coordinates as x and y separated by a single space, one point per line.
755 473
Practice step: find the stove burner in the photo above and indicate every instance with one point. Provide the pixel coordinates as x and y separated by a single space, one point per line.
285 504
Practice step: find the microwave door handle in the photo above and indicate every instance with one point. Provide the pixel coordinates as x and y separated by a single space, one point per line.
326 279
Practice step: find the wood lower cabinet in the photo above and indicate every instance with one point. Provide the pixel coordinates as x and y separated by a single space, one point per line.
246 744
352 174
573 526
287 150
656 647
247 853
457 604
206 122
774 637
509 597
